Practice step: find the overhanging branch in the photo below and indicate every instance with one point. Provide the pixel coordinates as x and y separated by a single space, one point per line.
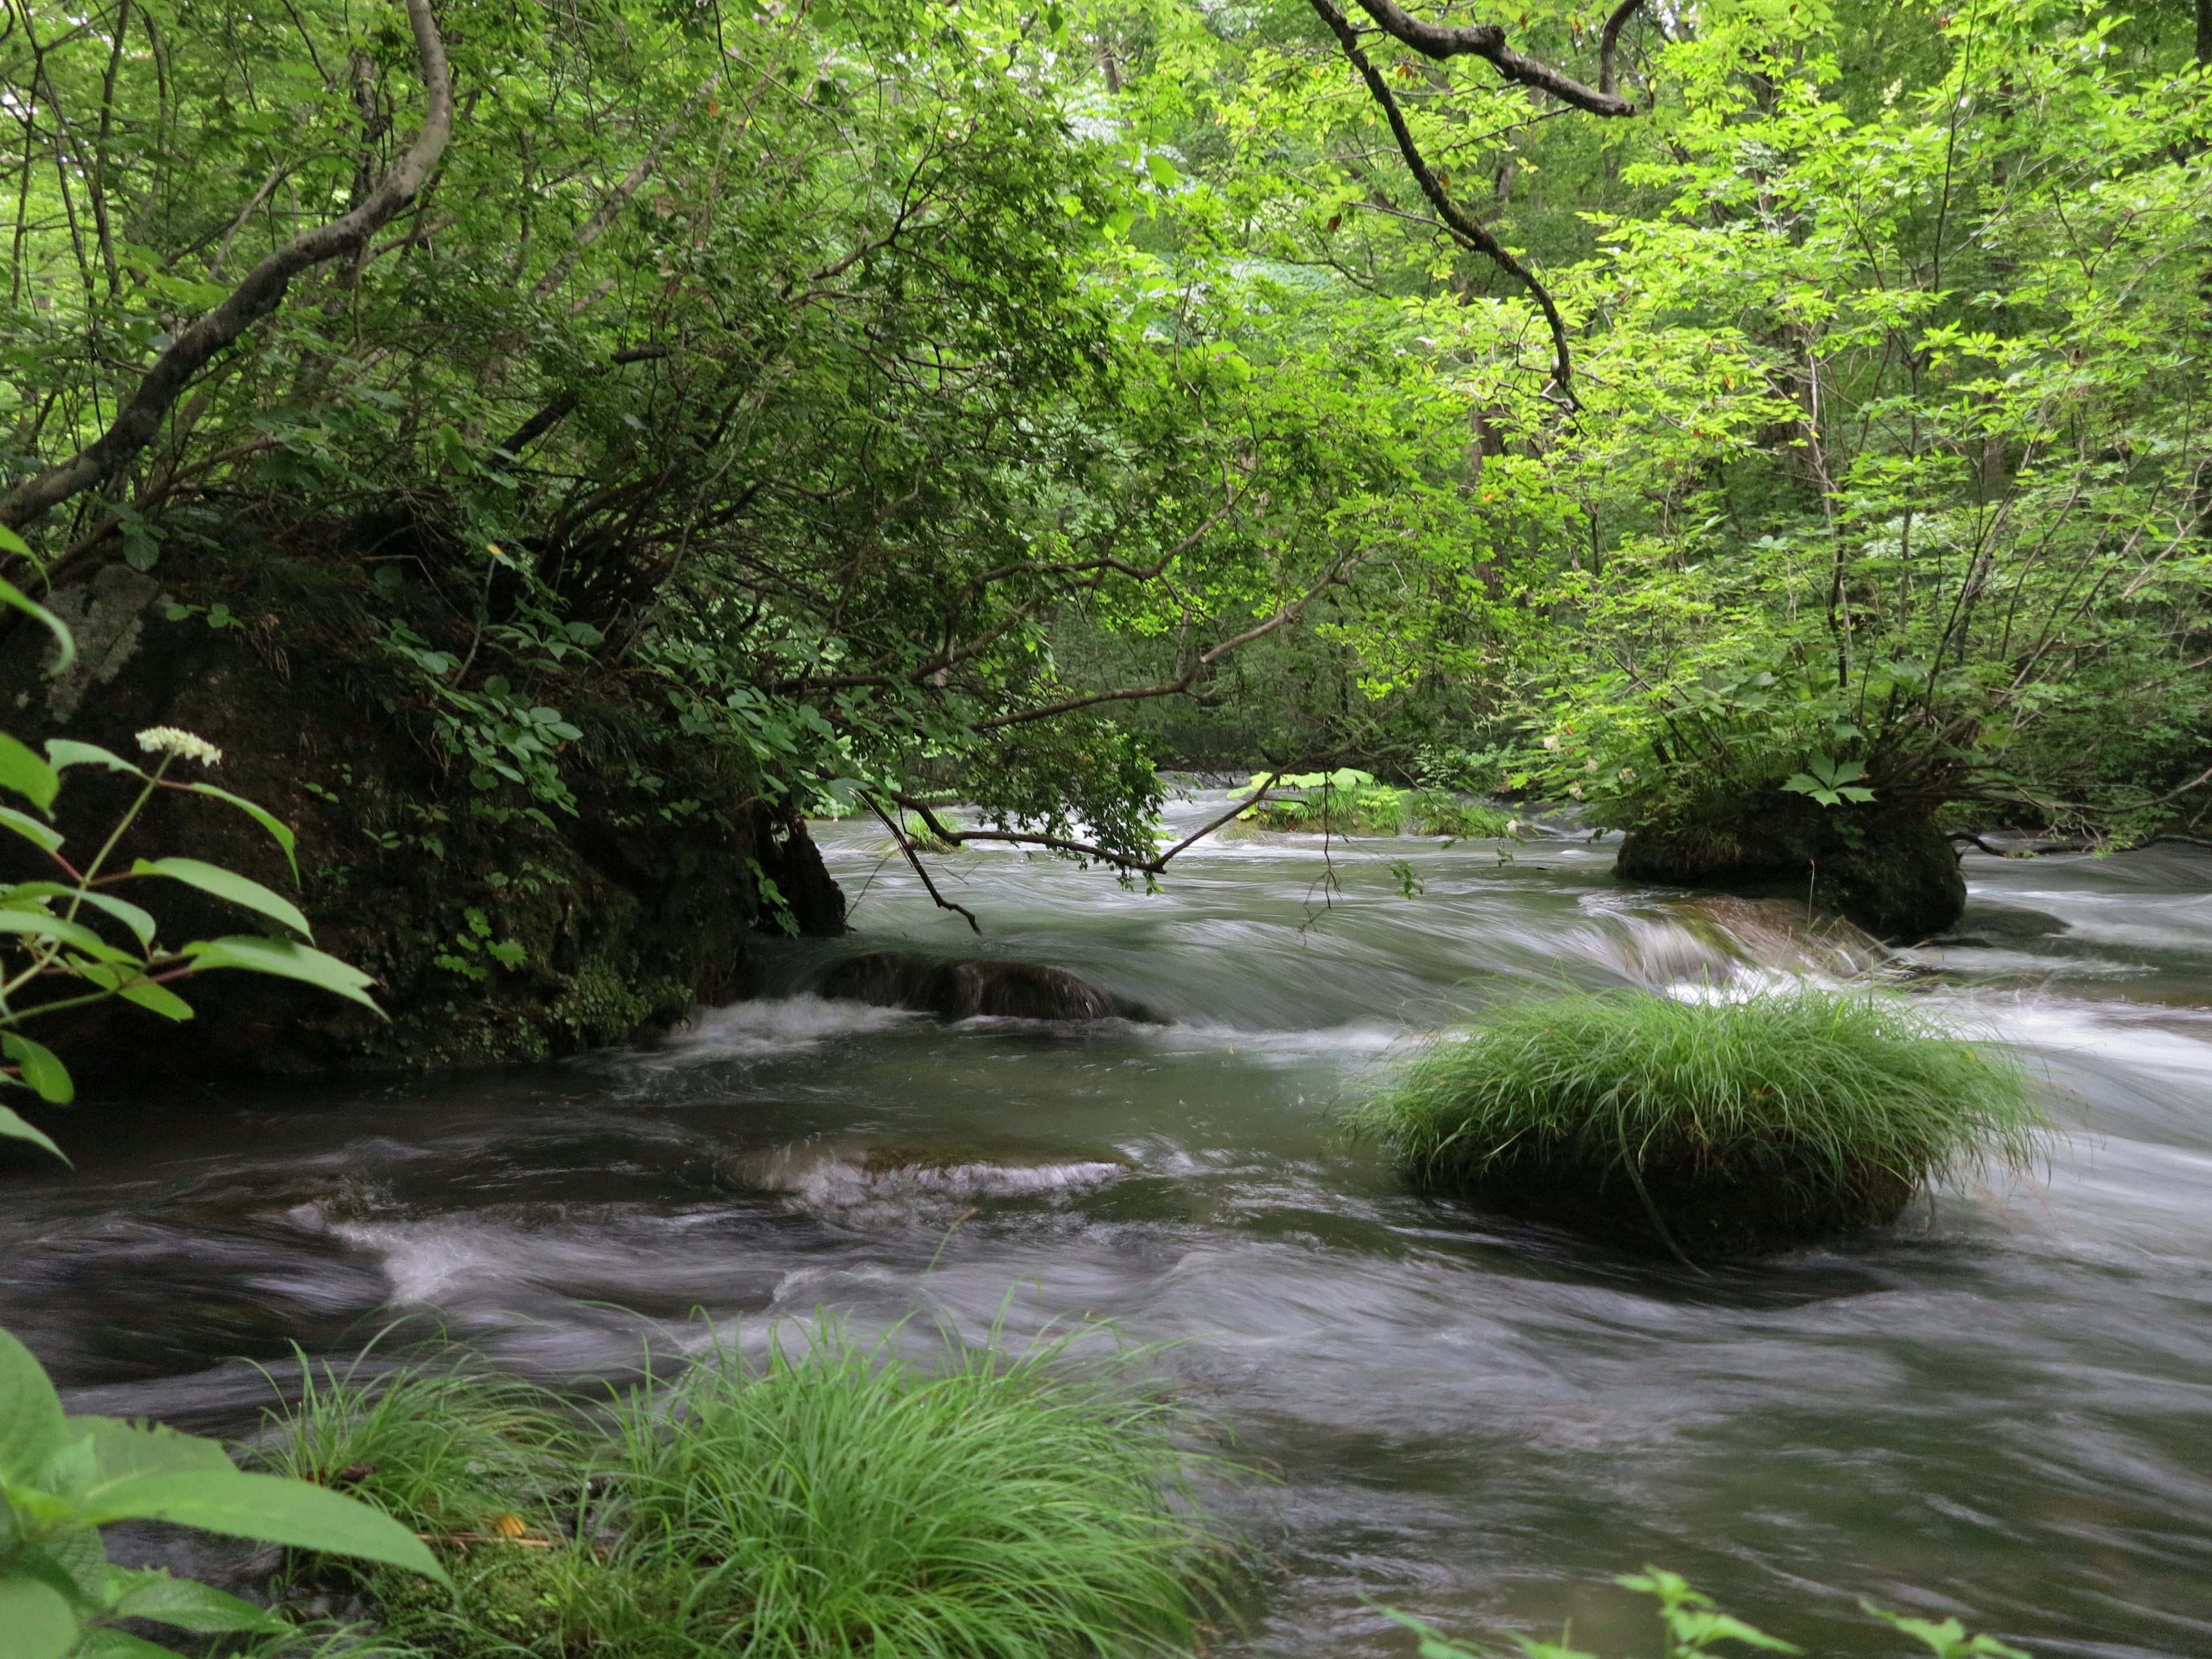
1487 42
1461 224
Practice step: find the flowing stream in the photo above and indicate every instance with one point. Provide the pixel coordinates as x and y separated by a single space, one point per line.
2000 1408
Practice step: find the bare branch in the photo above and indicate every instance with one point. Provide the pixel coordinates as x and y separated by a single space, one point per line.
1487 42
1154 865
914 859
1469 232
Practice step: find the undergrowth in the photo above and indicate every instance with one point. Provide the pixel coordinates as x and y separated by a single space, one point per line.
1710 1125
836 1500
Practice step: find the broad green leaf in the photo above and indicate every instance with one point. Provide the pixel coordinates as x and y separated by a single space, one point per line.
45 835
260 815
23 772
65 752
40 1066
156 998
267 1507
285 958
120 1449
39 924
129 981
80 1555
130 916
10 594
189 1604
228 884
31 1429
34 1617
13 1127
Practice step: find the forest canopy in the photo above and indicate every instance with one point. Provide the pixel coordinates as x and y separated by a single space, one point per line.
1660 406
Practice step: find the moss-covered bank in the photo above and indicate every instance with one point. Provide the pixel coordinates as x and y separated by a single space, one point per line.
498 927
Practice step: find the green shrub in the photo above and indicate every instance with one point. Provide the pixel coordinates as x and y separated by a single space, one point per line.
444 1451
1436 812
838 1500
1345 802
1707 1127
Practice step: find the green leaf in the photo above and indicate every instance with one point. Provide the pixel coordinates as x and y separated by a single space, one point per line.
23 772
37 924
10 594
35 1616
120 1449
260 815
264 1506
41 1067
47 838
78 1555
228 884
101 1642
130 916
189 1604
129 981
283 958
13 1127
1947 1640
31 1429
65 752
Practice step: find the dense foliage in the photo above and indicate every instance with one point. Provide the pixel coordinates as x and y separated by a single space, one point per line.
897 394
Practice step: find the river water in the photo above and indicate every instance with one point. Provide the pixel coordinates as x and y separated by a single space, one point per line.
2000 1408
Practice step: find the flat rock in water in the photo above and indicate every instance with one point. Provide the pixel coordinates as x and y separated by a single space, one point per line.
965 989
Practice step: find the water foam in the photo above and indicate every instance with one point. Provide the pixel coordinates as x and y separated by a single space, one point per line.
751 1031
849 1180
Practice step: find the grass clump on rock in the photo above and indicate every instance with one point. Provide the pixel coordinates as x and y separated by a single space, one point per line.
1709 1128
838 1500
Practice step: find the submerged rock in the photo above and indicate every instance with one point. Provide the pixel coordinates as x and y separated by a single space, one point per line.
1891 871
964 989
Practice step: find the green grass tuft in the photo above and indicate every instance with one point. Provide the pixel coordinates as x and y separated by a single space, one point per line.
840 1499
1708 1128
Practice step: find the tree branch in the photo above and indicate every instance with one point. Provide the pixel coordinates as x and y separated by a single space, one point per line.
1487 42
559 409
256 296
912 858
1471 234
1155 866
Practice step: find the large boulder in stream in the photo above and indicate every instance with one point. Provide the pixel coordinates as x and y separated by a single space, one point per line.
965 989
1887 869
611 919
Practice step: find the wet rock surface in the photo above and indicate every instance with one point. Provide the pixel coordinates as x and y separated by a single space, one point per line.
965 989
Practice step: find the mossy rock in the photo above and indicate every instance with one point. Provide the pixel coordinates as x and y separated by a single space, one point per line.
1889 870
1705 1212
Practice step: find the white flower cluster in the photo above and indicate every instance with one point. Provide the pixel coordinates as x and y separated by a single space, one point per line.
184 746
